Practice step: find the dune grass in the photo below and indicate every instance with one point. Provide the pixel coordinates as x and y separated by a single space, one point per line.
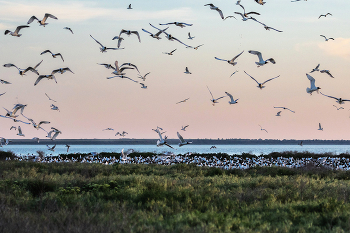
74 197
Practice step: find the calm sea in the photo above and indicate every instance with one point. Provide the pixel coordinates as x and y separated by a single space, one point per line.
229 149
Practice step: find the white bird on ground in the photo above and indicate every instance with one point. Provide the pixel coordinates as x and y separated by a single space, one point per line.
337 107
187 71
285 109
184 127
54 55
312 87
327 72
15 33
232 61
190 37
69 29
261 61
104 48
182 101
319 127
182 141
232 100
128 32
261 85
339 100
212 7
315 69
214 101
171 53
49 76
20 131
326 39
43 21
263 129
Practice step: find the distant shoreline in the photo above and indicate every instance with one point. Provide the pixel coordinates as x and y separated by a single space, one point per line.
129 141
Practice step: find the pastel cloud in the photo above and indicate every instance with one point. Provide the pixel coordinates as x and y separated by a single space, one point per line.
340 47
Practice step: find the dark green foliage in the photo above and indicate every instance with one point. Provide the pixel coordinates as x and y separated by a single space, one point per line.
75 197
6 154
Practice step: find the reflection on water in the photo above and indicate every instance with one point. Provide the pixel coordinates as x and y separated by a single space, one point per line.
229 149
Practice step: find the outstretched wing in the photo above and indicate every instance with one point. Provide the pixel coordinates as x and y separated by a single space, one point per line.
32 19
97 41
251 77
220 59
137 33
270 79
180 137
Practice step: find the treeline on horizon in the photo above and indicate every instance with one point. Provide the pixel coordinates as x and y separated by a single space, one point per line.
132 141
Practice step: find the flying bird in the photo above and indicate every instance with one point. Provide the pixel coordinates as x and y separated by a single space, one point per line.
128 32
156 36
260 2
43 21
278 113
15 33
327 72
187 71
104 48
339 100
177 24
326 39
61 70
265 26
38 126
54 107
119 40
123 76
246 14
50 98
184 127
20 131
143 77
161 141
129 64
325 15
182 141
212 7
182 101
337 107
69 29
51 148
320 127
263 129
190 37
23 71
312 87
49 76
214 101
143 86
2 93
261 85
261 61
129 7
315 69
285 109
4 81
68 146
107 129
232 61
54 55
171 53
119 70
232 100
108 66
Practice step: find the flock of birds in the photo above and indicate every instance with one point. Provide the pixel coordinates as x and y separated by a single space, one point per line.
233 162
120 71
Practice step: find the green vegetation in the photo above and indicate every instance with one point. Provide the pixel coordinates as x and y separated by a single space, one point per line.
74 197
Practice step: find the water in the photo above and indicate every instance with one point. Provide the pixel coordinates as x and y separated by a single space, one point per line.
229 149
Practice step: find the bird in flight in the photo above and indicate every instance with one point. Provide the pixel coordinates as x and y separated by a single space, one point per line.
61 70
261 61
49 76
69 29
312 87
246 14
177 24
54 55
285 109
129 7
214 101
43 21
327 72
184 127
315 69
156 36
265 26
23 71
182 141
278 113
50 98
182 101
212 7
232 100
104 48
15 33
190 37
263 129
260 2
187 71
4 81
339 100
325 15
261 85
320 127
171 53
128 32
232 61
337 107
326 39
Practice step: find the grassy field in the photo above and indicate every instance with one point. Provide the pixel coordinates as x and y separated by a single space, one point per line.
74 197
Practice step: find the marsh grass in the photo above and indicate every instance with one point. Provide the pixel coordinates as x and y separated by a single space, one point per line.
75 197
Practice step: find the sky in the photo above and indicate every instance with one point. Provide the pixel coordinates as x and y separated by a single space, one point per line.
89 102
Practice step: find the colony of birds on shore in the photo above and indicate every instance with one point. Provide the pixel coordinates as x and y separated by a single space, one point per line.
120 71
233 162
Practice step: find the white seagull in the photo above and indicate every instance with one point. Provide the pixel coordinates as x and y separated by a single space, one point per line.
54 107
190 37
286 109
49 76
326 39
325 15
232 61
15 33
212 7
128 32
182 141
261 85
143 86
278 113
104 48
327 72
263 129
261 61
54 55
37 126
312 87
69 29
232 100
177 24
43 21
51 148
119 70
214 101
337 107
143 77
339 100
184 127
319 127
61 70
315 69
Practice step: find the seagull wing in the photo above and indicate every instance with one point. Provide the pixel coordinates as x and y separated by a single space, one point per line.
31 69
169 145
252 77
220 12
36 66
180 137
20 27
10 65
47 15
180 41
38 79
138 35
229 95
67 69
32 19
256 53
58 54
270 79
46 51
329 96
236 56
312 81
220 59
147 31
210 93
97 41
4 82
